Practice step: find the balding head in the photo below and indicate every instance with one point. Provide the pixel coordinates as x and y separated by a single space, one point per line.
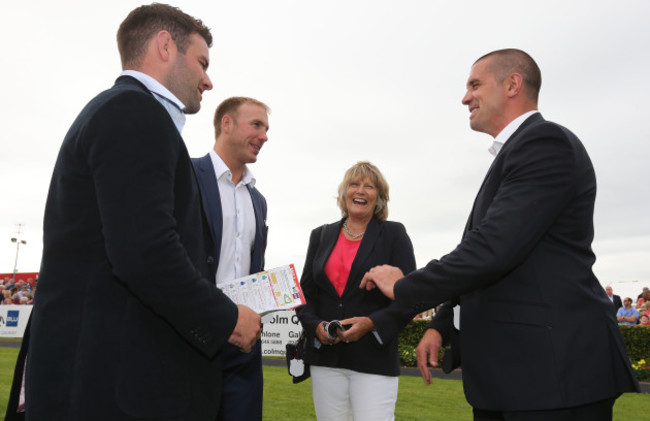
510 60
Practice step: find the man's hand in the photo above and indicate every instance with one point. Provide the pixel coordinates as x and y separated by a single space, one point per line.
247 330
427 351
359 326
382 277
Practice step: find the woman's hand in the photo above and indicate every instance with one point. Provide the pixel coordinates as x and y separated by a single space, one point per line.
359 326
322 336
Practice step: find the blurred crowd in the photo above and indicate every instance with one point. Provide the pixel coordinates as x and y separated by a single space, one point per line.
632 312
17 291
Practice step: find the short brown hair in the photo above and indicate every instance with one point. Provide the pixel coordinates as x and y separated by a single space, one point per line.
358 172
146 21
512 60
230 107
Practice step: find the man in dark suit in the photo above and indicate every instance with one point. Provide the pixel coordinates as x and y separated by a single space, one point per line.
237 217
537 337
128 323
614 299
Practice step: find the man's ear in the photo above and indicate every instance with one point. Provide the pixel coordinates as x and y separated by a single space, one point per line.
513 84
227 124
165 45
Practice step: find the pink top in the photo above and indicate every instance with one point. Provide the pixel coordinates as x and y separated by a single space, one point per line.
339 264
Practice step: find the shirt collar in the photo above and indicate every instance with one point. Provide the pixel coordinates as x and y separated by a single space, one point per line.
154 86
220 168
507 132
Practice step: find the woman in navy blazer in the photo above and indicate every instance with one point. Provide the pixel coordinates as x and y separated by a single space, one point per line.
354 379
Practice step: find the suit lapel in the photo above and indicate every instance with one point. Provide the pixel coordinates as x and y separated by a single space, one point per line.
212 207
359 264
328 240
497 160
211 202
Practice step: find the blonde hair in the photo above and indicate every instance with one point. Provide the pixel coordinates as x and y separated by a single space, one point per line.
358 172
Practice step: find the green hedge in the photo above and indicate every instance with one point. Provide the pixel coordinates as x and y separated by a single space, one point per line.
409 338
636 339
637 342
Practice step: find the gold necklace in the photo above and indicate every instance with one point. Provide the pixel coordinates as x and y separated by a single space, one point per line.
347 230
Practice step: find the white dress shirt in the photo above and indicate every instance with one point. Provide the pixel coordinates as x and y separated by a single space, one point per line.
238 230
507 131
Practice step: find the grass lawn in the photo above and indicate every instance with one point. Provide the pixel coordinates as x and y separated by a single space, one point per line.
285 401
7 363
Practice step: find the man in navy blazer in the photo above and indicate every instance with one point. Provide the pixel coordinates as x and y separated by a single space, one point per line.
237 217
538 339
128 323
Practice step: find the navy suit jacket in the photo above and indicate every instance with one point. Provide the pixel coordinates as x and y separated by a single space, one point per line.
212 203
127 322
385 242
536 330
243 377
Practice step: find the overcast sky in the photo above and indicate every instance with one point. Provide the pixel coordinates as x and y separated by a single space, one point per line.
348 81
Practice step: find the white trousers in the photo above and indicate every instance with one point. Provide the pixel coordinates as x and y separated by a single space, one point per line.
347 395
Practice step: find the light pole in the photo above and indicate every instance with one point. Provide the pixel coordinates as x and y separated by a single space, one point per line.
18 243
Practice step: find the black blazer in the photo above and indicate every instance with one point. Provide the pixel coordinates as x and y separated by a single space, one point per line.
384 243
127 322
537 330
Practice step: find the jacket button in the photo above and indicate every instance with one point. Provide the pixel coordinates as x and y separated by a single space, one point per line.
210 260
340 304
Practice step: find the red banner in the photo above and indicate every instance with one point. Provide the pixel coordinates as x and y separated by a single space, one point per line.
29 277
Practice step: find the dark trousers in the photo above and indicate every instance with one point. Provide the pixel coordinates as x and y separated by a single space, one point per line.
598 411
241 397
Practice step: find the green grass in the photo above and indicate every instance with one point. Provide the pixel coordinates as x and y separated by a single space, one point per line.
7 363
286 401
443 400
